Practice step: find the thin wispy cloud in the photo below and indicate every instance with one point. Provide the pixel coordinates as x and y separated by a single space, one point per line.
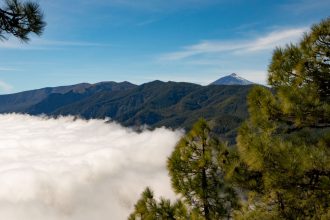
5 87
156 5
146 22
6 69
260 43
304 6
44 44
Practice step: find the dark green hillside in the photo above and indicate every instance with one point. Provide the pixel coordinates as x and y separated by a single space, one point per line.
57 100
171 104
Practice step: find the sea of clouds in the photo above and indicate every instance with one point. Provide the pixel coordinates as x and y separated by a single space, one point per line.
74 169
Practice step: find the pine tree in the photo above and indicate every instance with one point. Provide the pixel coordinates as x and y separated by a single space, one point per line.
148 208
286 139
20 19
195 174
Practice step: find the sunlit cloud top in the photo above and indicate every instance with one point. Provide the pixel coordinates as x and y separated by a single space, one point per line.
72 169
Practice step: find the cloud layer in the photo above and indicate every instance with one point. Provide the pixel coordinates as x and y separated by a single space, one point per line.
72 169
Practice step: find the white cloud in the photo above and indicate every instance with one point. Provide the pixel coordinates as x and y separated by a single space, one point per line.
5 87
261 43
75 169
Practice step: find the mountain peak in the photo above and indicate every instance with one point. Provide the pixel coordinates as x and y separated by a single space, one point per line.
232 79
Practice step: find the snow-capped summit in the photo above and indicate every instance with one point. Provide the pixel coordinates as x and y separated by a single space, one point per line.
232 79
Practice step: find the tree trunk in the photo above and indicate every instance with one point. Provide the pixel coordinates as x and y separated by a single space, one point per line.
205 186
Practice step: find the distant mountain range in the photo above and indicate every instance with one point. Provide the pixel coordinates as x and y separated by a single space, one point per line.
232 79
157 103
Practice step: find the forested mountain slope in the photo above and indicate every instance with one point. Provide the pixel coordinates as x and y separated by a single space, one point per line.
170 104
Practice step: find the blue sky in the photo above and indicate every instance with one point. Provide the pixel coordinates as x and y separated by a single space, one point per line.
139 41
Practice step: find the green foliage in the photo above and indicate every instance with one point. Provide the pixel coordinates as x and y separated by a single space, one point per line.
282 160
20 19
237 172
196 175
286 139
305 65
148 208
